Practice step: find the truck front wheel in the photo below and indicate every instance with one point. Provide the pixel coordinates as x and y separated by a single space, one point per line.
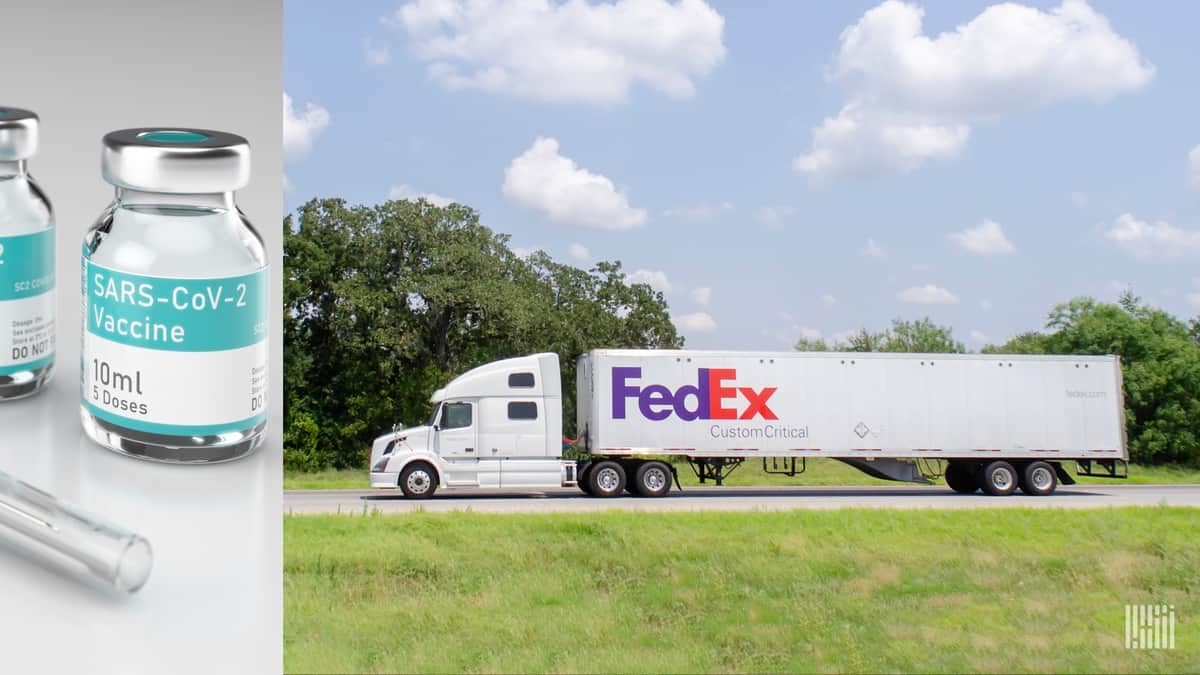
606 479
418 481
652 479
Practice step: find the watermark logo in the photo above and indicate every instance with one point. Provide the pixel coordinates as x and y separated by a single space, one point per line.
1150 626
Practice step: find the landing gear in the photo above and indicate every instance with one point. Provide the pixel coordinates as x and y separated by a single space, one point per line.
714 469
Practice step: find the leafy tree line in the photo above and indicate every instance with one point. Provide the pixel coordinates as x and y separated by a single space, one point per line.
1160 363
384 304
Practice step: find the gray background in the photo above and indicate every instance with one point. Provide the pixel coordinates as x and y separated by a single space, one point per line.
214 601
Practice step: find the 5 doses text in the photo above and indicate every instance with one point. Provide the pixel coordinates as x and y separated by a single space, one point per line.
103 375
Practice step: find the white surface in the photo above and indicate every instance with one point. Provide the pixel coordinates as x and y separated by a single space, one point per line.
214 601
862 405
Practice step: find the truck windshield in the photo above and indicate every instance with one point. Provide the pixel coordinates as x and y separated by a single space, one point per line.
433 418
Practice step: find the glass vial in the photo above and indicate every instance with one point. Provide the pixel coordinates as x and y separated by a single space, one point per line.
26 263
174 360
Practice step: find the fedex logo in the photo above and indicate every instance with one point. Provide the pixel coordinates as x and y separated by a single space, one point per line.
711 397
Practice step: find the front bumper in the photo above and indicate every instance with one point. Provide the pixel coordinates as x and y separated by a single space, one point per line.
385 479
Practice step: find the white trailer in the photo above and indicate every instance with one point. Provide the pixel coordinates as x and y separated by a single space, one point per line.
994 422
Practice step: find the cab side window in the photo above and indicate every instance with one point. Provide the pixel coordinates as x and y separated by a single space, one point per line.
456 416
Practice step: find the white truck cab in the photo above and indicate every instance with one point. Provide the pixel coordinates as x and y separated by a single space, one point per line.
497 426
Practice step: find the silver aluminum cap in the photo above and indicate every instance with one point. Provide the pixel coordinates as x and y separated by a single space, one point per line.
176 160
18 134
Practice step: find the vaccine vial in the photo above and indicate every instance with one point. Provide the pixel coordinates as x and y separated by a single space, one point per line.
175 301
26 263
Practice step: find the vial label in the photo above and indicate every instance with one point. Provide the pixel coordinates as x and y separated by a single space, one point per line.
172 356
26 302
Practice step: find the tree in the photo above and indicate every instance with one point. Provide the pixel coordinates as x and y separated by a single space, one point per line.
384 304
920 336
804 344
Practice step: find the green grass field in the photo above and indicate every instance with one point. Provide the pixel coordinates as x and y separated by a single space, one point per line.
820 472
852 590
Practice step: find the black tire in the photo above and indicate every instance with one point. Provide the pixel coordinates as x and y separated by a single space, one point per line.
1038 479
961 478
606 479
418 480
998 479
582 481
652 479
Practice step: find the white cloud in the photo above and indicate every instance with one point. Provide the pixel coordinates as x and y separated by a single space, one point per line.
809 333
696 322
828 300
702 295
927 295
656 279
874 250
406 191
985 305
775 216
579 252
986 239
912 97
979 338
543 180
300 130
287 184
1147 240
576 51
703 212
843 337
1194 166
376 55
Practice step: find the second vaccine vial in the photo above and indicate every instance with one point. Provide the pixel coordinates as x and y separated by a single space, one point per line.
26 262
174 360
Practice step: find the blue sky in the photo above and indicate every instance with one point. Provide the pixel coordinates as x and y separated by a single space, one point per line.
1000 158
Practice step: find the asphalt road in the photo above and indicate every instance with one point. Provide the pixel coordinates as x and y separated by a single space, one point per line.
707 498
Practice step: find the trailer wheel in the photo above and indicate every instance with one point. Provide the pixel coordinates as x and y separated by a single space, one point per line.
418 481
1038 479
961 478
606 479
652 479
998 479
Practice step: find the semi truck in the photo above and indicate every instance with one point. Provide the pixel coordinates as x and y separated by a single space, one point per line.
985 423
